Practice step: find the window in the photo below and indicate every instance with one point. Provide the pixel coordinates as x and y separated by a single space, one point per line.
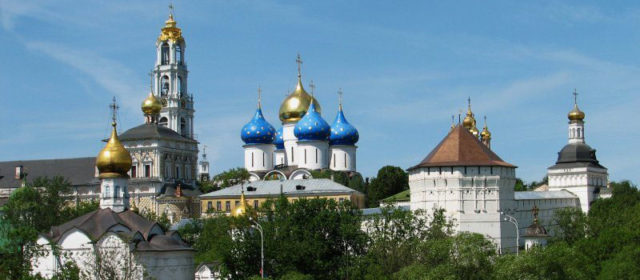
177 171
178 54
237 203
209 205
219 206
292 158
180 86
316 155
334 159
116 192
345 160
251 159
341 199
262 159
163 121
305 155
227 206
183 127
164 82
133 171
255 204
147 170
164 54
106 192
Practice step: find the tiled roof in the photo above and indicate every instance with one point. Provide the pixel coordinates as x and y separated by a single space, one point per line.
461 148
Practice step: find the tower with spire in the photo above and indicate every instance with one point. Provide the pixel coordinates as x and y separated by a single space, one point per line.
577 169
113 163
170 80
343 139
258 136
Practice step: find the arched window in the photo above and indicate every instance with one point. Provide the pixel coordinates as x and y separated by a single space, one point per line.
164 82
116 192
183 127
164 54
180 87
163 121
106 192
178 54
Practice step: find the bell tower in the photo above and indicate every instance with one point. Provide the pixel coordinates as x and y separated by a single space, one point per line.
170 80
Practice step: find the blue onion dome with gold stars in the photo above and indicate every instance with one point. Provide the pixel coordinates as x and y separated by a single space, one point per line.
279 142
258 130
342 132
312 126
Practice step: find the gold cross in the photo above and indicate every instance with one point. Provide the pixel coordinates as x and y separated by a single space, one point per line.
151 80
340 97
114 110
299 61
575 96
312 86
259 97
171 8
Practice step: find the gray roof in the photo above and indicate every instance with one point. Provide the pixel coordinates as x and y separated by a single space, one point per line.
96 223
576 155
544 195
289 188
152 131
79 171
378 210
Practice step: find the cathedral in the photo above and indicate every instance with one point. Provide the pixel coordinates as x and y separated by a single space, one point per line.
304 143
463 176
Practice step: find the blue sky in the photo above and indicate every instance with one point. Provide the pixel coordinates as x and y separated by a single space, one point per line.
405 67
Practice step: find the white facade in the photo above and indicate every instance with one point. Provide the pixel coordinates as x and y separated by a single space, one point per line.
114 194
290 143
472 196
258 157
312 155
280 157
343 158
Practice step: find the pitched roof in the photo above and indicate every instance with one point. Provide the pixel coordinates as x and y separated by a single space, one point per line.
461 148
79 171
152 131
96 223
289 188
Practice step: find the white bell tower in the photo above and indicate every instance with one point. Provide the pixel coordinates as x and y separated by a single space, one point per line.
170 80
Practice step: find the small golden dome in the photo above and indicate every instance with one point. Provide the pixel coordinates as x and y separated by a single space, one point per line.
170 32
151 105
485 133
296 104
114 160
242 208
576 114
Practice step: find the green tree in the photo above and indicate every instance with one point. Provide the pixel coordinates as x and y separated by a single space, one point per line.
225 179
389 181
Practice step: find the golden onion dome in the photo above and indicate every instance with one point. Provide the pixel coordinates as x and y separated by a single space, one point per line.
485 133
170 32
575 114
468 121
242 208
295 106
114 160
151 105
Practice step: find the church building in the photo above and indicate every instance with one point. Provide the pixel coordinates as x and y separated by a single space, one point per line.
114 242
463 176
304 143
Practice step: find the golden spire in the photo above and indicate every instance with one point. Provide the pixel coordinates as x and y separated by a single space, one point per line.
485 134
469 121
113 160
575 114
242 209
296 104
170 32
